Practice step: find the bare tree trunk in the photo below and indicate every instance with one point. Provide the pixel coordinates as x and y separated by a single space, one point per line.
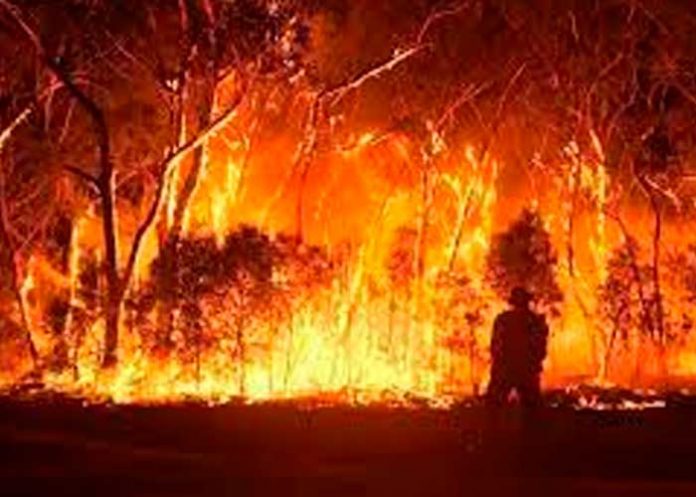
300 206
104 185
173 236
271 356
459 232
657 236
570 260
103 182
659 304
452 370
183 198
197 354
657 319
646 319
608 350
114 296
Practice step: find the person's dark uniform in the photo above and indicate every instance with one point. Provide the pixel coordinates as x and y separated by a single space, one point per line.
518 349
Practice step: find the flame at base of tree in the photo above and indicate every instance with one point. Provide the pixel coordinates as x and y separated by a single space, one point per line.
374 318
239 214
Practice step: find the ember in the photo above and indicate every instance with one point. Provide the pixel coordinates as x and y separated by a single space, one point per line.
226 200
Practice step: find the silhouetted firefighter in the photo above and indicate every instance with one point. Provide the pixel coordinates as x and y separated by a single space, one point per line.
518 349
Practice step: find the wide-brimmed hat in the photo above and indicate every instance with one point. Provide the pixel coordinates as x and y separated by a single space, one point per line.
519 296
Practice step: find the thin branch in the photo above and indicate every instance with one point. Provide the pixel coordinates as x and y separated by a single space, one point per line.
337 93
129 54
504 98
467 95
502 103
7 132
666 192
686 93
36 230
438 16
85 176
602 74
66 123
14 11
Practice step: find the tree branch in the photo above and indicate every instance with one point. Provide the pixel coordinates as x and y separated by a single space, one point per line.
7 132
439 15
14 11
85 176
337 93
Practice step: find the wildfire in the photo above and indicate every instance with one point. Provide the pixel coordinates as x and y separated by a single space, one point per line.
345 337
350 336
294 257
356 335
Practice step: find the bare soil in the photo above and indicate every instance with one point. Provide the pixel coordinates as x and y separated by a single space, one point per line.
62 447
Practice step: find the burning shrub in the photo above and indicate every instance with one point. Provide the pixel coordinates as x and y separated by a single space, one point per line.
524 256
300 269
460 314
241 269
232 296
629 305
622 299
681 295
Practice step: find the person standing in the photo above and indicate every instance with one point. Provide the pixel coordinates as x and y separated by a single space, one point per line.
518 350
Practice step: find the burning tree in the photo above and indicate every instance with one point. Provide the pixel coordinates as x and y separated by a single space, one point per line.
10 256
222 291
680 295
524 256
631 309
235 296
461 312
139 133
221 38
624 303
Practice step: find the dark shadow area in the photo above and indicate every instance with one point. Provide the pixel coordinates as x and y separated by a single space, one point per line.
64 448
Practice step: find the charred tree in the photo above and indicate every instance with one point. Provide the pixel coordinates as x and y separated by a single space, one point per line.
104 183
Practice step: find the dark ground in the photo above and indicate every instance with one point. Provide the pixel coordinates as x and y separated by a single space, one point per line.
60 447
